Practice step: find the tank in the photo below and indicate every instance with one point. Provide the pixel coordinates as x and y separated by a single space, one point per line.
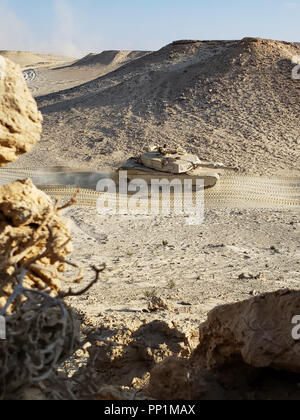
164 163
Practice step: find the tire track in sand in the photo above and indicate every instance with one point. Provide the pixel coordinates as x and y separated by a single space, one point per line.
233 191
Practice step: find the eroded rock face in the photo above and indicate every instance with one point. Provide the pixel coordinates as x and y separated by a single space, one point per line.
257 332
239 343
20 120
30 227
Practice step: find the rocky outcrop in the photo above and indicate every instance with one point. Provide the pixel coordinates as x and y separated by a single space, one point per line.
245 351
257 332
34 244
20 120
33 236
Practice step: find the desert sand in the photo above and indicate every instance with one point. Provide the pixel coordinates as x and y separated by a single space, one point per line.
228 101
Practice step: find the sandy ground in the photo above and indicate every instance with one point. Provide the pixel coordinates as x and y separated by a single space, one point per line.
232 256
228 101
28 60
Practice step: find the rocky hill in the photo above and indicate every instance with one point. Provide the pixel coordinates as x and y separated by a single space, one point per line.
230 101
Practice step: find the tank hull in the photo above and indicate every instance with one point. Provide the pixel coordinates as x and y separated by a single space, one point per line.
135 171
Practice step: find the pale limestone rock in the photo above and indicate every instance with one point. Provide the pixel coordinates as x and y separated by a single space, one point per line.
257 331
27 217
20 120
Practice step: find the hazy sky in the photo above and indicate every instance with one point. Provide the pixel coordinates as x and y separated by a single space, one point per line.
76 27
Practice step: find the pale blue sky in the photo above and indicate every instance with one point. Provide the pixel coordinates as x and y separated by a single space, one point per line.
76 27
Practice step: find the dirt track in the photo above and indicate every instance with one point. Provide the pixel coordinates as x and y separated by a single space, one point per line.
233 191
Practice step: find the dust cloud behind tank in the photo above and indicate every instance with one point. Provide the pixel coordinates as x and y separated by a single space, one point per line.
158 163
65 176
57 175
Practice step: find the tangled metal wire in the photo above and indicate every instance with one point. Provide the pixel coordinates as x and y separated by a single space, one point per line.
42 333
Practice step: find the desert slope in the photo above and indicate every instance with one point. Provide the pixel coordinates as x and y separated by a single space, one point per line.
53 76
230 101
28 59
109 58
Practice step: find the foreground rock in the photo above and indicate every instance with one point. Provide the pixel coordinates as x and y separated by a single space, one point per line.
245 352
20 120
34 243
32 235
257 332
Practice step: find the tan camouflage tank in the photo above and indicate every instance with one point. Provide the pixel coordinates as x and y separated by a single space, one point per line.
164 163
